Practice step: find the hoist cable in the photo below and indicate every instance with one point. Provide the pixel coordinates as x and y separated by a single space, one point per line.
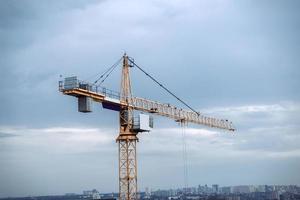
162 86
185 158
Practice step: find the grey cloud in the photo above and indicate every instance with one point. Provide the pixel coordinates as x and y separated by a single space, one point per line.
207 151
265 128
6 135
14 13
277 139
22 22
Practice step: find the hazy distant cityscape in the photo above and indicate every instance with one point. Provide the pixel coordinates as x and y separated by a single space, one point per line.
201 192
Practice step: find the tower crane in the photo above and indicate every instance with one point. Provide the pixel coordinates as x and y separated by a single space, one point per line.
130 126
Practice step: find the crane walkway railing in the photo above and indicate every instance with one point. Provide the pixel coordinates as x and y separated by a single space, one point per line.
78 84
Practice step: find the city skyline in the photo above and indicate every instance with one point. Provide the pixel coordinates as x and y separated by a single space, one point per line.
193 191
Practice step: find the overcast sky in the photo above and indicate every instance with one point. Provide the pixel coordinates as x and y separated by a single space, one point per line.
233 59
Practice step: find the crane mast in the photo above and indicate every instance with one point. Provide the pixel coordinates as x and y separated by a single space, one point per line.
127 140
125 103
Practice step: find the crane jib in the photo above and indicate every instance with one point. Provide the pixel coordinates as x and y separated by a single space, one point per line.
111 100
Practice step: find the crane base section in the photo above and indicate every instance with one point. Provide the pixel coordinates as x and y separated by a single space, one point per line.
127 169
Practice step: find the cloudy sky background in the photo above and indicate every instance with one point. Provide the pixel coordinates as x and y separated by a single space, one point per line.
234 59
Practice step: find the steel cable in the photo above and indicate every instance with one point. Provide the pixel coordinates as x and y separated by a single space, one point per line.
162 86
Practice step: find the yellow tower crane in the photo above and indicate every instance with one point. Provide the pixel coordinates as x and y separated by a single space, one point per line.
130 126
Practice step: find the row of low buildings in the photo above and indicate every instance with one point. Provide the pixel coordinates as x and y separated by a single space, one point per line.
240 192
227 192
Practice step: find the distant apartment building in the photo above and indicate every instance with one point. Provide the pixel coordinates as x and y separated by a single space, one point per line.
241 189
215 188
93 194
235 197
260 188
225 190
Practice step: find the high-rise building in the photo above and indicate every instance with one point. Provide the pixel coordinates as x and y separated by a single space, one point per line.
147 193
241 189
215 188
225 190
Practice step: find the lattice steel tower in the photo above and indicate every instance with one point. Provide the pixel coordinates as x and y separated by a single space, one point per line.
127 140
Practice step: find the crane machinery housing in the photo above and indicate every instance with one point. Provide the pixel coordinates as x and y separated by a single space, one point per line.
130 125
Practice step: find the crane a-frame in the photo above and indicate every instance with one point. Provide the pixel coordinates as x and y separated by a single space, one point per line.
125 103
